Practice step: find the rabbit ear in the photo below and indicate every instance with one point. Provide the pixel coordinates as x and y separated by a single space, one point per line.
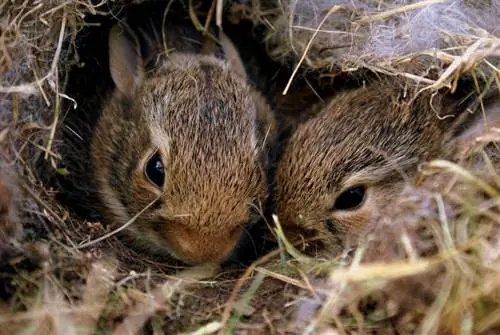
126 64
232 55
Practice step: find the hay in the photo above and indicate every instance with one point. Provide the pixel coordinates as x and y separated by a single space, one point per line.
430 264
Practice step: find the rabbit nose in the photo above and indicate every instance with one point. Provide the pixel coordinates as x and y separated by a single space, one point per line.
207 251
195 249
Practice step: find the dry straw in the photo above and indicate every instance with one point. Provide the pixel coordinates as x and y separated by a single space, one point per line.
431 264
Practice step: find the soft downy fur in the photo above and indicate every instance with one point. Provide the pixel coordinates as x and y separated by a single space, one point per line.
349 33
373 136
212 131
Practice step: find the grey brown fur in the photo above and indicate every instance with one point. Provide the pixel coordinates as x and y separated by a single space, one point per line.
373 136
213 132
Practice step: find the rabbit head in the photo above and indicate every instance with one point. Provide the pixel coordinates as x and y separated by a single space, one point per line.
341 165
181 150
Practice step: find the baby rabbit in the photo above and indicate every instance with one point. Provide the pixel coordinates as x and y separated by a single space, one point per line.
183 144
341 165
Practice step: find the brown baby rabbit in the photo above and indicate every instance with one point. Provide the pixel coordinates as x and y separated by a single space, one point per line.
341 165
189 138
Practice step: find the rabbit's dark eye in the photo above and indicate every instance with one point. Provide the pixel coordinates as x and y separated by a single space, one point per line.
154 170
351 198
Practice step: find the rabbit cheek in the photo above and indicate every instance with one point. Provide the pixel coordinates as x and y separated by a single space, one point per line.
351 222
143 191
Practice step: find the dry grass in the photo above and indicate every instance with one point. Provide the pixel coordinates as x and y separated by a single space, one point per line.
431 264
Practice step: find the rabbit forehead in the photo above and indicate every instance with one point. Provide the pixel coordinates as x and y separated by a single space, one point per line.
343 158
210 131
204 99
357 140
206 148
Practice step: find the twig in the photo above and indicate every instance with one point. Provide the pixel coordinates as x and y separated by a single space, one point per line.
117 230
330 12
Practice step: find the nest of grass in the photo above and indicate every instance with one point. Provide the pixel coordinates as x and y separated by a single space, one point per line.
431 264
